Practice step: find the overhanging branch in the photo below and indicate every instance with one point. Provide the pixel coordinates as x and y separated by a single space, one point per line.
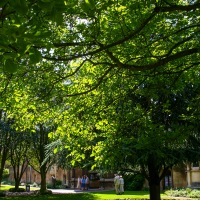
172 8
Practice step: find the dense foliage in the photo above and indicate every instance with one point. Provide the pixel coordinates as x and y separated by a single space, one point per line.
133 182
120 75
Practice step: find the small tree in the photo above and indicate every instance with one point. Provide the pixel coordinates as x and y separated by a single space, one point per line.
5 141
39 140
19 155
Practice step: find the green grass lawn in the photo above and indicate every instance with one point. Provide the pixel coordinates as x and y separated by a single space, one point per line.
79 196
99 195
84 196
7 187
126 195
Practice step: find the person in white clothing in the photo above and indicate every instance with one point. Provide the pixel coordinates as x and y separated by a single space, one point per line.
79 183
116 182
121 185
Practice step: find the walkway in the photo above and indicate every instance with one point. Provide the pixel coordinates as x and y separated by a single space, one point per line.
73 191
70 191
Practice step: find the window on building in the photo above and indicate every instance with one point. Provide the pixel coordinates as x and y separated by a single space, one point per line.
195 164
64 179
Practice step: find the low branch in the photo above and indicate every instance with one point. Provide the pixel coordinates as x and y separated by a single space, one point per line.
161 62
172 8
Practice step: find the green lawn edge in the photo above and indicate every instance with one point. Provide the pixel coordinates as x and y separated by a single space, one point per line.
96 195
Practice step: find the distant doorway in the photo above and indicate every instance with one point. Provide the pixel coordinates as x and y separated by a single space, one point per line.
167 183
64 179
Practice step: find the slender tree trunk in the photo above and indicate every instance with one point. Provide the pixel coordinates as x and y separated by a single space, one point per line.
4 152
16 175
1 175
3 161
43 179
17 183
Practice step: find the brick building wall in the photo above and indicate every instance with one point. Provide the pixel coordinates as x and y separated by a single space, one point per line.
67 177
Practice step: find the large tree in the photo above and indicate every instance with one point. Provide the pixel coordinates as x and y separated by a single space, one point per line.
51 50
151 125
131 35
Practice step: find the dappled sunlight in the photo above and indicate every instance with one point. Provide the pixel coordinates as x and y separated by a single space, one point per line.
126 195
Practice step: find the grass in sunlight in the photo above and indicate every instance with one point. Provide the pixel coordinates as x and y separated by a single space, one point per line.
7 187
97 195
126 195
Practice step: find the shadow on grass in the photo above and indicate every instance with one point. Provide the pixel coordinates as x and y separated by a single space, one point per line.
82 196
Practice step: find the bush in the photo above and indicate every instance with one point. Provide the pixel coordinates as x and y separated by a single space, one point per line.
49 185
16 190
2 194
133 182
46 192
188 192
177 193
6 173
58 185
58 182
8 182
194 194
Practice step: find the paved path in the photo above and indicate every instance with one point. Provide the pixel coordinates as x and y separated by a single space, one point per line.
68 191
71 191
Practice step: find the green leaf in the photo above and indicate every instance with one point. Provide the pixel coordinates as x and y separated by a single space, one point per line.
35 56
55 150
20 6
10 66
90 4
1 104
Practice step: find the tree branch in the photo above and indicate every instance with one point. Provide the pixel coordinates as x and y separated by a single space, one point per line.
105 47
172 8
94 87
161 62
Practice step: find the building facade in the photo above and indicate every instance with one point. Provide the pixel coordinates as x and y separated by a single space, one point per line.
68 178
179 177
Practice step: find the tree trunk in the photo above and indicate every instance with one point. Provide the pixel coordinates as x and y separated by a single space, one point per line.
1 175
154 180
154 191
3 161
43 179
17 183
16 175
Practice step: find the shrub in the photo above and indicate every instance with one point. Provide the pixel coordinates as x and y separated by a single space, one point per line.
16 190
46 192
194 194
58 182
49 185
2 194
188 192
133 182
58 185
6 173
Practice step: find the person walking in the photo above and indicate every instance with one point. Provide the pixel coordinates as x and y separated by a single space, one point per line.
79 183
53 178
87 182
116 182
83 183
121 185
